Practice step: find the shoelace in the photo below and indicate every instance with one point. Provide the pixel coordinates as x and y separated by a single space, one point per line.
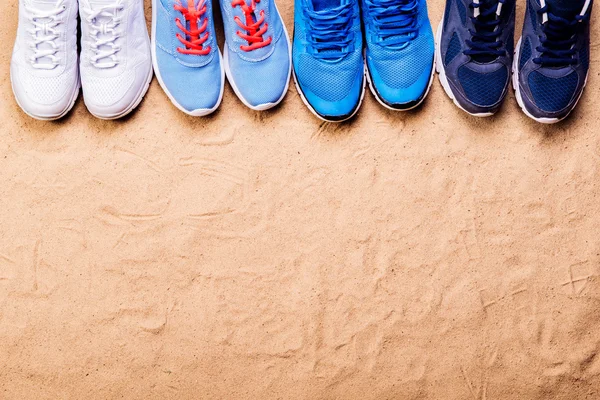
197 35
560 35
395 21
104 22
254 37
44 35
485 44
331 33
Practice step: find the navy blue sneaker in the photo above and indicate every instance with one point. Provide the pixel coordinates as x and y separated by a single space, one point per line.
328 58
399 51
553 57
475 45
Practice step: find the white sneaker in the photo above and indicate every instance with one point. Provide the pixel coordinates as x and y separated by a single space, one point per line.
115 65
44 69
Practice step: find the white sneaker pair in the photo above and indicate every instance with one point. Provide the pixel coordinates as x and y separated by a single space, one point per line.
115 68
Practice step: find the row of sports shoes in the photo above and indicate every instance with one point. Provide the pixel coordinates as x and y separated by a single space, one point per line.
339 46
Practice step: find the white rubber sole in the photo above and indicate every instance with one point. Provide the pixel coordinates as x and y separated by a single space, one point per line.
360 101
519 96
74 96
439 66
265 106
201 112
383 103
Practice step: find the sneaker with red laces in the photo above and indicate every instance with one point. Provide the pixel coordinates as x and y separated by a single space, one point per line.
256 56
186 58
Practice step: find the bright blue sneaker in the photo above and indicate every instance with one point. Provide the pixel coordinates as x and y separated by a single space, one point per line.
475 46
257 55
553 58
328 60
186 58
400 51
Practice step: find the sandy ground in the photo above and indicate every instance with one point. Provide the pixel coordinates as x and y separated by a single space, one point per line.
251 255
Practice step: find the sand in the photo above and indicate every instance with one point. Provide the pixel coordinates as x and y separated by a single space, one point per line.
419 255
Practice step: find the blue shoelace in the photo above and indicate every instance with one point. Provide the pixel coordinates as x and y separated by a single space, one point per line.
331 35
485 44
557 44
395 21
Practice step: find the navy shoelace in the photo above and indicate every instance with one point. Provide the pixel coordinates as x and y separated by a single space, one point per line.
331 35
395 21
485 44
557 44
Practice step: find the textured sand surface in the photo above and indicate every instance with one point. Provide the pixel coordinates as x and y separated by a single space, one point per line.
251 255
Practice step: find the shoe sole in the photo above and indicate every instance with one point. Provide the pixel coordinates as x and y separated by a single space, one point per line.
439 66
201 112
408 106
265 106
518 95
74 97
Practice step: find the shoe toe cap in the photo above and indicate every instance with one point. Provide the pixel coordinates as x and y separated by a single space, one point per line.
484 88
45 97
553 94
114 96
197 90
401 77
261 84
401 95
335 107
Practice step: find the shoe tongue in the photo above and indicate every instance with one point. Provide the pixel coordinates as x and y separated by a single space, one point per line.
43 5
320 5
487 4
567 9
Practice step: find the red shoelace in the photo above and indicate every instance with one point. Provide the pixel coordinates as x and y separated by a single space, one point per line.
255 32
197 35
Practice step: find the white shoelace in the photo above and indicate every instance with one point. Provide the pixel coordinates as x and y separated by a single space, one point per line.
44 35
104 22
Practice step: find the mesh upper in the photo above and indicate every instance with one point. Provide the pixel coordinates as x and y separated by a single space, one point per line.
264 81
48 89
402 68
552 94
525 53
331 81
453 49
483 89
107 91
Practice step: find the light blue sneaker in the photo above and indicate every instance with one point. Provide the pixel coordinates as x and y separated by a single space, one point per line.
256 55
328 57
186 58
400 51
